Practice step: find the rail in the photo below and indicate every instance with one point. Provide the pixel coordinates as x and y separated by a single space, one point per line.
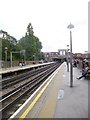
9 101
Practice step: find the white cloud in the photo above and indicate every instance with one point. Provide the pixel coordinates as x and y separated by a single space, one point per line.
49 19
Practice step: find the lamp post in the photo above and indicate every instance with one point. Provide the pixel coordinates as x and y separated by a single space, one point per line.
6 57
67 56
70 26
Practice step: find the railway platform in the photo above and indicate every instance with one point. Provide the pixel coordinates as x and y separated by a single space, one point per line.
17 68
56 99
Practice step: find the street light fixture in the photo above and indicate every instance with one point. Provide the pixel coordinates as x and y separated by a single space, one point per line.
6 57
70 26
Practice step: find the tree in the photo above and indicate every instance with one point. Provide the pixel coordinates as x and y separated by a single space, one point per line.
31 44
29 30
10 47
6 43
33 47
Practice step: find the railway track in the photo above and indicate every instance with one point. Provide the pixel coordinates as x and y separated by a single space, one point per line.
16 97
11 85
13 80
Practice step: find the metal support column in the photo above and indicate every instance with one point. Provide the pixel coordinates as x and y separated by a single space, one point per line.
71 66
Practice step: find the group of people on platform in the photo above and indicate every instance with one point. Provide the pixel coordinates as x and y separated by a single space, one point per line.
22 63
85 69
85 64
75 63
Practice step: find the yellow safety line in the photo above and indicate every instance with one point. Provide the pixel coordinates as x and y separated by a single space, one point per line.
33 103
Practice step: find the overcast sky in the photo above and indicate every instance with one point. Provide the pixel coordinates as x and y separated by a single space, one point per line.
49 19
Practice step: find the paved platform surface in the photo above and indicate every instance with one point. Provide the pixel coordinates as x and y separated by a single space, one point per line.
59 100
74 104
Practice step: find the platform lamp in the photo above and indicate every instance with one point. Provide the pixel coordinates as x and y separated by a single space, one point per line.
70 26
6 57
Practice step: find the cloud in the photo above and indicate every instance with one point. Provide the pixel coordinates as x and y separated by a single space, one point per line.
49 19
